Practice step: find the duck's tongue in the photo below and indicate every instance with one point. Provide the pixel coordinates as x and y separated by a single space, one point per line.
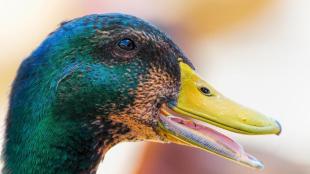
191 132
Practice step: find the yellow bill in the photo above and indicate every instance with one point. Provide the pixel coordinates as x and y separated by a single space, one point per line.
183 121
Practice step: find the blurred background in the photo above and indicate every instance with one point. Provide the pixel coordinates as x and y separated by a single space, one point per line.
256 52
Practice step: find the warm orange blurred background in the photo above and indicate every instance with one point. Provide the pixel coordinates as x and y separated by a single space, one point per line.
254 51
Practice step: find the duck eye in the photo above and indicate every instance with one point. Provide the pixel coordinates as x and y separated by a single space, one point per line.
126 44
205 91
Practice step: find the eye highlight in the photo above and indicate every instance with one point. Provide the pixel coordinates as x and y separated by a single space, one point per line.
126 44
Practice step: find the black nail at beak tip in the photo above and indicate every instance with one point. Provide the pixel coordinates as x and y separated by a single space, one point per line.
280 127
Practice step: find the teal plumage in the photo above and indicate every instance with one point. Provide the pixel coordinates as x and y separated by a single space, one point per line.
78 94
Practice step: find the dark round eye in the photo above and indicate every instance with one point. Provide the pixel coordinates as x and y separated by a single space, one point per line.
205 91
126 44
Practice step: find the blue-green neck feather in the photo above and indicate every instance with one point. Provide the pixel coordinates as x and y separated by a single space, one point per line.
59 119
45 132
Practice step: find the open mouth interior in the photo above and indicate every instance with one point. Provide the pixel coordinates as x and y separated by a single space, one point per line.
194 133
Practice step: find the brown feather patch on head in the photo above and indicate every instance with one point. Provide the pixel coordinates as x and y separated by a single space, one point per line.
141 116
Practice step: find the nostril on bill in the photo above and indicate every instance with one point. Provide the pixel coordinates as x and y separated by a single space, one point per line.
205 91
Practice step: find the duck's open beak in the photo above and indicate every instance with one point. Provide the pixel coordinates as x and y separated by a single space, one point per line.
183 121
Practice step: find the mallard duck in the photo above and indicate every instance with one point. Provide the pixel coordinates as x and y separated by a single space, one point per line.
103 79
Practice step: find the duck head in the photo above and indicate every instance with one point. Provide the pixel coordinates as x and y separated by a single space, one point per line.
102 79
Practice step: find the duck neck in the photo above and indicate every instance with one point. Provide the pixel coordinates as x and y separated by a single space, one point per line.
54 146
42 136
